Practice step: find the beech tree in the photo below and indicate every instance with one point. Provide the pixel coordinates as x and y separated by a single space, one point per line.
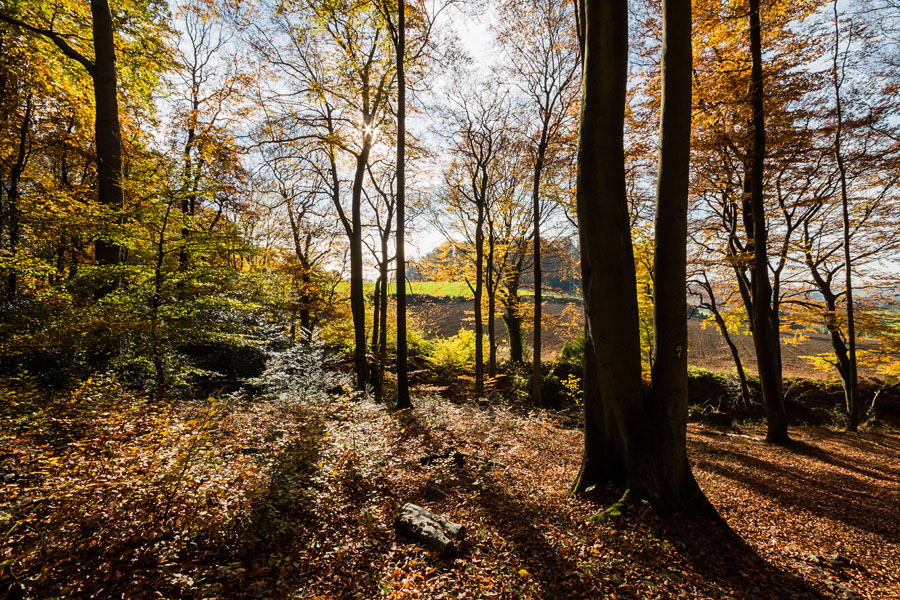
336 59
632 437
542 53
480 121
107 132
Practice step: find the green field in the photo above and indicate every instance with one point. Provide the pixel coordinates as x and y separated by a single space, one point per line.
456 289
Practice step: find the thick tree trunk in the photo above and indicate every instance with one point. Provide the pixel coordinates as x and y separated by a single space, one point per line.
108 134
403 399
12 196
765 332
603 460
612 361
626 432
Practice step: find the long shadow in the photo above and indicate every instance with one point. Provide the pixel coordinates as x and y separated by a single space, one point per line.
712 549
717 552
283 519
874 471
812 451
517 521
846 498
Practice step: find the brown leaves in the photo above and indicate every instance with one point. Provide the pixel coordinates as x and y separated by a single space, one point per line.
274 504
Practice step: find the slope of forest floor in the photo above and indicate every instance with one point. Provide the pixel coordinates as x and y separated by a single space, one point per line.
104 494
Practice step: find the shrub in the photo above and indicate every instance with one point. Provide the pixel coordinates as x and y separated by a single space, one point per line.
572 352
455 353
295 374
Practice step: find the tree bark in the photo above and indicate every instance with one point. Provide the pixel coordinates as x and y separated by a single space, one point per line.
668 397
357 294
107 132
765 332
12 196
403 399
851 391
492 306
479 290
513 316
536 375
630 435
376 315
613 361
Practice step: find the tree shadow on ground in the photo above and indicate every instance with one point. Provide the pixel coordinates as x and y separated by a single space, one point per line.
719 554
856 501
716 555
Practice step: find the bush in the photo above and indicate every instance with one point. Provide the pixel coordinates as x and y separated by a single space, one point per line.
295 374
572 352
455 353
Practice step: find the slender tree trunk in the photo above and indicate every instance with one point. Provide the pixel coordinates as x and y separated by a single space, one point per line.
383 306
851 391
671 476
536 375
765 333
189 199
735 355
376 314
403 399
305 317
513 317
382 335
479 289
357 293
492 306
107 132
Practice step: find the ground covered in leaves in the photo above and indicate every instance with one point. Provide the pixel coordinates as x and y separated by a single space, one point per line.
106 494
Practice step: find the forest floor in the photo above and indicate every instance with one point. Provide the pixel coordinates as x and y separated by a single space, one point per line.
103 494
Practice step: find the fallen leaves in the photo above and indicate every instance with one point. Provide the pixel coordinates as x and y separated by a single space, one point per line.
300 504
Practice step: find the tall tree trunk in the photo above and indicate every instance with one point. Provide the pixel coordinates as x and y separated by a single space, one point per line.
403 399
628 433
381 356
851 391
357 294
189 201
12 196
479 289
376 315
765 332
536 375
382 336
492 306
107 132
305 317
613 362
668 397
513 316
